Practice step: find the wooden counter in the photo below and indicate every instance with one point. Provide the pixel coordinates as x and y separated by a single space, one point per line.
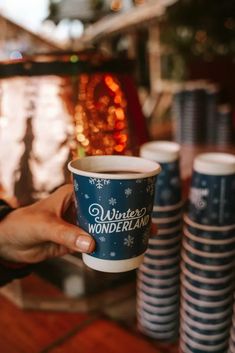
47 332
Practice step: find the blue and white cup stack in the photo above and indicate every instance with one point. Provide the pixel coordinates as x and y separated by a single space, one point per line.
208 255
158 276
232 331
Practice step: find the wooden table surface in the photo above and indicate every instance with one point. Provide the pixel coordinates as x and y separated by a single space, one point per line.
25 331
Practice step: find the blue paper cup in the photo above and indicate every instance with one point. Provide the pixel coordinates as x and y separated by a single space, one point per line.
212 192
209 245
155 301
205 275
114 201
168 211
157 309
225 234
158 335
203 325
203 336
168 185
203 279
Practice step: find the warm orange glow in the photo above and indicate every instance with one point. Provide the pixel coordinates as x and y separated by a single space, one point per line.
119 148
102 115
120 114
116 5
111 83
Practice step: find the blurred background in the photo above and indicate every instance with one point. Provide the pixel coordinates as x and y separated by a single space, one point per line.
90 77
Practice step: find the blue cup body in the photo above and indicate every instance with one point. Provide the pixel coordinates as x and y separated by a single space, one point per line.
168 185
111 211
212 199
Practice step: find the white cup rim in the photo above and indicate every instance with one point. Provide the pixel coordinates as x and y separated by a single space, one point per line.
156 334
160 151
200 325
207 316
91 165
159 318
146 279
188 221
174 207
157 301
196 345
202 303
156 310
204 254
204 280
204 266
200 336
203 291
207 241
215 163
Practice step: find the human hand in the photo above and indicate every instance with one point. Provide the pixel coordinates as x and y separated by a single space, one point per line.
34 233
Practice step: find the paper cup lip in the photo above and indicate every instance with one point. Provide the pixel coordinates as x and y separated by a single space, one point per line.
91 165
215 163
160 151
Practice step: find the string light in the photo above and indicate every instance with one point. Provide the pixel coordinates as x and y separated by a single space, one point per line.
100 116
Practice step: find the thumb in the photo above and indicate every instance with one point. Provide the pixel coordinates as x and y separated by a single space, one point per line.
70 236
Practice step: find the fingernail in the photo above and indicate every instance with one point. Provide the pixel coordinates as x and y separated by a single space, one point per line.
84 243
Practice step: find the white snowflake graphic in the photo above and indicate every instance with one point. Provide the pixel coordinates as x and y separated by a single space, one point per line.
129 241
102 239
166 194
204 183
216 201
76 186
128 192
86 196
99 183
112 254
112 201
175 181
139 181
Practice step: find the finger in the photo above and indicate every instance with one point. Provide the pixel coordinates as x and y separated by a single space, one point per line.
70 236
59 201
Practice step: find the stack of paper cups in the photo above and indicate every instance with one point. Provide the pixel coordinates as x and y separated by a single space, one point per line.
208 254
158 276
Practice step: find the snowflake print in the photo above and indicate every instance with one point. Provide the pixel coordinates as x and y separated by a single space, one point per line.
112 201
150 187
166 194
112 254
175 181
76 186
204 183
86 196
128 192
216 201
139 181
102 239
99 183
129 241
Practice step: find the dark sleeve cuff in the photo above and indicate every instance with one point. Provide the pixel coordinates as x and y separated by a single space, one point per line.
10 270
8 274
